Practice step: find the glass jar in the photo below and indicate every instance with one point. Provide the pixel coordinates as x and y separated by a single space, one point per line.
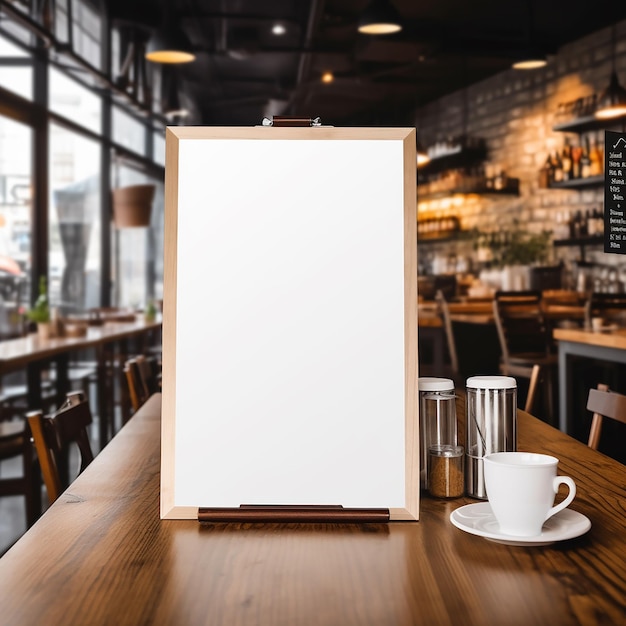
437 415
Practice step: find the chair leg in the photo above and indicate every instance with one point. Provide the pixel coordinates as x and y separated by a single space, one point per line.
532 388
32 482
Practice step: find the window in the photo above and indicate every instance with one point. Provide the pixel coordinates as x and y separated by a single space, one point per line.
15 223
138 252
159 147
16 72
128 132
74 263
74 102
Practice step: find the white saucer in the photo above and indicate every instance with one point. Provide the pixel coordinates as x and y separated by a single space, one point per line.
478 519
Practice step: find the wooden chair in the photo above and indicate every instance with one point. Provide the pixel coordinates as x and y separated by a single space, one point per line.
15 443
525 342
609 306
604 403
52 436
533 384
444 313
142 379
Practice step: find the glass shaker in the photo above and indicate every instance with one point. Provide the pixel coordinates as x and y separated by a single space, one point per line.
437 412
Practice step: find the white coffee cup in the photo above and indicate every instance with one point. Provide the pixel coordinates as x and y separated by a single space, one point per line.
597 323
521 487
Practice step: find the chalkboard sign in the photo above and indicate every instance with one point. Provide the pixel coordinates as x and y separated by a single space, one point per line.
615 192
290 321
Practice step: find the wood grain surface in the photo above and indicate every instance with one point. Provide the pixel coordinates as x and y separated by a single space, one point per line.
100 555
610 339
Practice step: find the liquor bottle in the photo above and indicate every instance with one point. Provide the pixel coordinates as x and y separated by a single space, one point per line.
576 225
585 160
558 168
577 155
566 160
546 174
596 158
596 222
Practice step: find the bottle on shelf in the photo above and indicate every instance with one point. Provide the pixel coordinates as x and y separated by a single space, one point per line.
578 227
566 160
577 155
585 160
596 223
596 158
546 173
558 168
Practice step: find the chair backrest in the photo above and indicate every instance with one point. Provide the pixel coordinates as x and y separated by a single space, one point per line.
604 403
149 373
520 323
52 436
444 312
141 378
609 306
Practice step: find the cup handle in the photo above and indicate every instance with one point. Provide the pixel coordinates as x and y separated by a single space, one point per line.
562 480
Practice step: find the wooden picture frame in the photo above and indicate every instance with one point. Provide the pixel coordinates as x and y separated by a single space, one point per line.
290 319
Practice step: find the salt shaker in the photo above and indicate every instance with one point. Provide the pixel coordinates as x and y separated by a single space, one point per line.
438 425
491 425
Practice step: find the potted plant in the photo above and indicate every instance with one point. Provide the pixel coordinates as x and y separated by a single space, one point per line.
514 251
40 312
150 312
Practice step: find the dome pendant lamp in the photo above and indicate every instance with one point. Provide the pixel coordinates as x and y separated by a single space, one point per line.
612 101
169 44
380 17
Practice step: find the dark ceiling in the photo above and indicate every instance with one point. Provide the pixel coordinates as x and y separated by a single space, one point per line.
243 72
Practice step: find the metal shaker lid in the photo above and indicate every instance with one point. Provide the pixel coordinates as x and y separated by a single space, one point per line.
432 383
491 382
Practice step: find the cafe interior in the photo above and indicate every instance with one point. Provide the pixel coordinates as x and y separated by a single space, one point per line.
520 271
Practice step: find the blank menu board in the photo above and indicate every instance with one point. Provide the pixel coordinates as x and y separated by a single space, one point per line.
290 319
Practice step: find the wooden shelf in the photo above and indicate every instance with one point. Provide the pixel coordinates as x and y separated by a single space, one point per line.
591 240
583 124
443 238
578 183
511 189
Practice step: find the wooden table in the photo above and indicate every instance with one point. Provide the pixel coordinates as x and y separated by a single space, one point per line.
100 555
32 353
606 346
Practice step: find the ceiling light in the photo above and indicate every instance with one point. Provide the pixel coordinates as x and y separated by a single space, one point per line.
531 57
169 45
328 77
379 18
530 61
612 102
279 29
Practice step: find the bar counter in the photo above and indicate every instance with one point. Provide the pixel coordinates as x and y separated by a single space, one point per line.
101 555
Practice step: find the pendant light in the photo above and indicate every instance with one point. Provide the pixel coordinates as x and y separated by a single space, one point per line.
530 57
380 17
612 101
169 44
530 60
